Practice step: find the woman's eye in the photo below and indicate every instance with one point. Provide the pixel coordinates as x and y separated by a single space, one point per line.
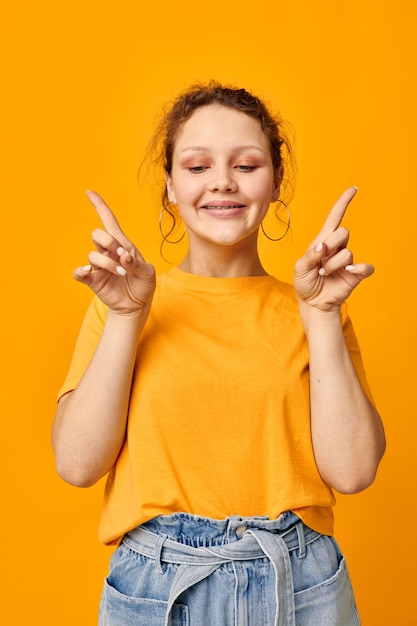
197 169
246 168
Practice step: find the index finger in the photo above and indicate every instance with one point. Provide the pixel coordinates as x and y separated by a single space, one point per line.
108 219
336 215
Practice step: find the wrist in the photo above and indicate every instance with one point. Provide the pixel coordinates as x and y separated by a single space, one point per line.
130 319
313 317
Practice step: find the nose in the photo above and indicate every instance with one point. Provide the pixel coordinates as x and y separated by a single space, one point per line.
223 180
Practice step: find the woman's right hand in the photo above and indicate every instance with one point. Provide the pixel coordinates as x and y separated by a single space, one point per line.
117 272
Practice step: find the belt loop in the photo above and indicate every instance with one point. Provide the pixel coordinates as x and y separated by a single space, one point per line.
158 551
301 540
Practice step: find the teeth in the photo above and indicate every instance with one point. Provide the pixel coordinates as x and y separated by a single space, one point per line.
235 206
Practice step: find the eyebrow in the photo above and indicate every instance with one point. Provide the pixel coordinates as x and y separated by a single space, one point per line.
235 149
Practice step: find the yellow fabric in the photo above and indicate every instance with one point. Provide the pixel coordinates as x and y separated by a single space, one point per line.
219 414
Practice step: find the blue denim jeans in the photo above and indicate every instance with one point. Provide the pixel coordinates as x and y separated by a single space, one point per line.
185 570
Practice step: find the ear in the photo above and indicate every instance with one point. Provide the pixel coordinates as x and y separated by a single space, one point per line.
277 184
170 188
275 193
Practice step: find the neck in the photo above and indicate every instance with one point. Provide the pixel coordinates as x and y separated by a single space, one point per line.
223 261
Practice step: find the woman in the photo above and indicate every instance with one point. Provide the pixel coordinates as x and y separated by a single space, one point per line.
224 404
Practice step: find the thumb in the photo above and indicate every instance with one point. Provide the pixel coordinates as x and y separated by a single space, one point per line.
312 258
83 274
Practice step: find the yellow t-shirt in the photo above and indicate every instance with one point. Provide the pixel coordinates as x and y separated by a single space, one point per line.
219 420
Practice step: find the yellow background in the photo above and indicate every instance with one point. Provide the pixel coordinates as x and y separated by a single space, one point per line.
81 83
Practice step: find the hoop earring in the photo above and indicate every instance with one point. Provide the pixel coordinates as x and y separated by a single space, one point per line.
165 237
287 228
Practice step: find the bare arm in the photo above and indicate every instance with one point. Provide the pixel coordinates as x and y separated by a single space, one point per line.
347 432
90 422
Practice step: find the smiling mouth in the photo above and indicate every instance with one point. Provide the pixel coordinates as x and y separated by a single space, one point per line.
210 207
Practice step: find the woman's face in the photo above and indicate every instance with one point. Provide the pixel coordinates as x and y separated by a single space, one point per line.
222 177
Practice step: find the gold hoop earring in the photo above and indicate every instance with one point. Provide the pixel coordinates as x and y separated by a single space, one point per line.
287 227
165 237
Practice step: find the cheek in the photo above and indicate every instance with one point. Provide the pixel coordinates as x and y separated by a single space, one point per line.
187 193
263 190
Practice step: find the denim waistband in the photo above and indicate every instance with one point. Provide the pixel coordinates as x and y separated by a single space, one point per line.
248 538
198 531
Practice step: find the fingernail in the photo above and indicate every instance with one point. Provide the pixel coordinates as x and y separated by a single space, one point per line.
120 250
354 187
322 271
121 270
349 268
319 248
87 268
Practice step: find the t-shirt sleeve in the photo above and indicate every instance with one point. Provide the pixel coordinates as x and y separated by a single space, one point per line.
354 351
88 338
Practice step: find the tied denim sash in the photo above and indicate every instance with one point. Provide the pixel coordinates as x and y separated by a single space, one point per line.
196 564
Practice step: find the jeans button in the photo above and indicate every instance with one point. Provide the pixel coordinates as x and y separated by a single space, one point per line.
240 531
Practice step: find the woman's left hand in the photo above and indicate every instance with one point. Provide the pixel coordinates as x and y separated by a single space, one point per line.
326 275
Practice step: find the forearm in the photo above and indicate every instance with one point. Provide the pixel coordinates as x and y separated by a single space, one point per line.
90 423
347 433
